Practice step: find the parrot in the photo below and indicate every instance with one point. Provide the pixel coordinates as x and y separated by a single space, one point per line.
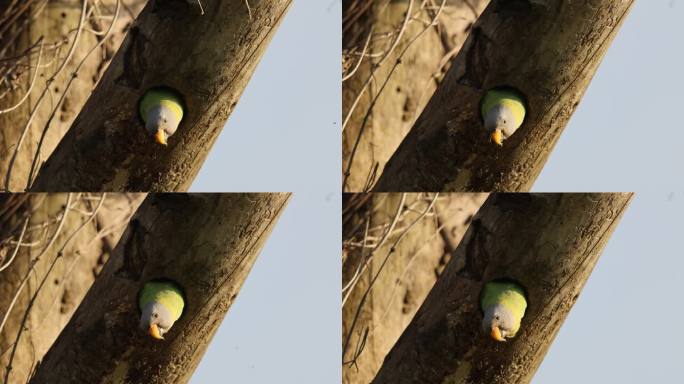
161 304
503 304
503 112
162 111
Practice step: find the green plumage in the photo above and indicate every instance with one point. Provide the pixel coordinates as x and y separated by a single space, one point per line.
166 294
509 295
160 96
508 98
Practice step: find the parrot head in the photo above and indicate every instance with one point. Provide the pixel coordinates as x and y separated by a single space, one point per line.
155 320
500 123
499 323
161 123
161 109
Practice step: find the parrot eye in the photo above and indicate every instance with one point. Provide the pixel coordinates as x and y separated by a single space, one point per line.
155 315
496 317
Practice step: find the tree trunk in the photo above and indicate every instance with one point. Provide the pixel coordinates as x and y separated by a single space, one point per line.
207 244
392 109
61 273
406 278
549 244
547 50
26 22
207 58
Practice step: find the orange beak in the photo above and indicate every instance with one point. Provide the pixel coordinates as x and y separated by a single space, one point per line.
154 332
160 136
497 137
496 334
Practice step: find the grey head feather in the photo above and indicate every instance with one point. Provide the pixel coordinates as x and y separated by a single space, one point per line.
498 315
155 313
162 117
500 117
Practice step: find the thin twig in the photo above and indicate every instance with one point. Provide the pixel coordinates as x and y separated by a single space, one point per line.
367 260
33 82
377 65
71 268
33 264
64 93
58 256
16 250
350 162
40 100
380 269
358 62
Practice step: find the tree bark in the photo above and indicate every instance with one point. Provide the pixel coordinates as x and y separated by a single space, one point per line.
549 244
207 58
61 274
55 22
369 141
405 279
207 244
547 50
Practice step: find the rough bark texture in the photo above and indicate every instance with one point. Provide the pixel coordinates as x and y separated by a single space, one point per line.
549 50
406 278
410 85
66 283
55 22
549 244
207 244
207 58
